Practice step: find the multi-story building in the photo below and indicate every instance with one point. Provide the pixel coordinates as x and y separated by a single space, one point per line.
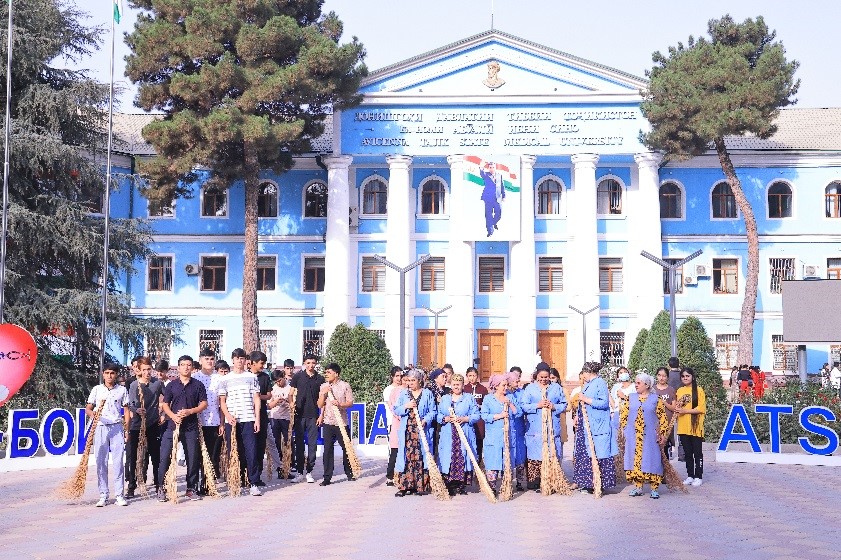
404 175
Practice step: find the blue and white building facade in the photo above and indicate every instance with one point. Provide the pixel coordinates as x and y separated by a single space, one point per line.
389 178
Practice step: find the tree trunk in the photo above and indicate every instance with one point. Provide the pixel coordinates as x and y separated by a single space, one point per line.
745 355
250 322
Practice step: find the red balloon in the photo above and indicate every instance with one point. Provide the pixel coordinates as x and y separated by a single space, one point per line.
18 354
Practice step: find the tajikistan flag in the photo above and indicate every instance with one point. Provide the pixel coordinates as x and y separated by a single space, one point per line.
118 10
473 164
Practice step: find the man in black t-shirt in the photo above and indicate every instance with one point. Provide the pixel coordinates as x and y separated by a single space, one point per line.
258 361
306 384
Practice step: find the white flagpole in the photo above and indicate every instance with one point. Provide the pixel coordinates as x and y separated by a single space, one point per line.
6 168
106 210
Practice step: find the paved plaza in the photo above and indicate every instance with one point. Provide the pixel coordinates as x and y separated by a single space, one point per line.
742 511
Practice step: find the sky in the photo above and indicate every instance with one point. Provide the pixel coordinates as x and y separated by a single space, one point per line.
622 35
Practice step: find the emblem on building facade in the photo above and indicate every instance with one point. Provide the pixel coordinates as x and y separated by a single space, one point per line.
493 80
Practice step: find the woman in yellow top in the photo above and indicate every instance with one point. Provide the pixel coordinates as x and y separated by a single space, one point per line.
691 407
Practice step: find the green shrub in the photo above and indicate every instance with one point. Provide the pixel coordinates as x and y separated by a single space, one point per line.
636 350
657 349
695 350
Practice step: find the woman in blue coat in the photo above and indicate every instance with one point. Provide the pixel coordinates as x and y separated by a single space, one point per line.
643 421
495 407
535 398
411 459
595 399
517 380
453 459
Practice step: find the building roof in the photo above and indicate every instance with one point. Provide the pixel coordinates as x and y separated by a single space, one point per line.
799 129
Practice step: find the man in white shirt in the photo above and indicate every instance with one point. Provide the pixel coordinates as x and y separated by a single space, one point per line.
835 376
209 418
111 432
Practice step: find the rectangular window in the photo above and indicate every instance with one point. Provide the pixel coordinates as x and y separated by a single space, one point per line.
785 355
380 333
612 346
726 350
833 269
726 276
432 275
550 272
781 269
158 209
214 202
610 274
266 273
313 274
678 278
160 274
834 354
213 273
373 275
313 343
268 346
491 274
212 339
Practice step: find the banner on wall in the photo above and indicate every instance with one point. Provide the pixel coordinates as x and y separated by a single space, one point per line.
490 199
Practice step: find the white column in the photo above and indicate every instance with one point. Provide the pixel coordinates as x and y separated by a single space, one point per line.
522 280
460 265
645 279
581 263
399 251
337 266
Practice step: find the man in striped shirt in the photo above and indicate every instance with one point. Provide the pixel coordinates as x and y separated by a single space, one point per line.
240 403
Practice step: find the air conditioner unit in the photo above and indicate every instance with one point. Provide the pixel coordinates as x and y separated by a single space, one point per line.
689 281
702 270
353 216
811 271
191 269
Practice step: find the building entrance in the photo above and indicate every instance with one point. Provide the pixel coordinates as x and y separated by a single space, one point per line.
492 354
553 349
426 349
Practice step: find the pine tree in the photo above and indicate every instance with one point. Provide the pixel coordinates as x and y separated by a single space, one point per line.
657 349
55 240
636 350
733 83
243 86
696 350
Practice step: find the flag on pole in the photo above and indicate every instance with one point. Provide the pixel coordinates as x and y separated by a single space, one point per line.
118 10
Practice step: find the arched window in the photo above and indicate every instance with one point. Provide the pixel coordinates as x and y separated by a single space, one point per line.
375 197
832 199
723 201
432 197
315 201
609 197
549 197
267 200
671 201
779 200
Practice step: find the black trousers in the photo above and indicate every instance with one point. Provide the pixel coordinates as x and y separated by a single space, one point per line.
392 460
694 452
211 435
280 431
261 438
332 434
305 426
246 448
192 455
153 451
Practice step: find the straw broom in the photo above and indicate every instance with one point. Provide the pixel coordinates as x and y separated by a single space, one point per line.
435 479
75 487
170 482
594 461
140 464
552 479
506 489
286 460
207 465
484 486
355 465
670 476
233 472
223 460
619 459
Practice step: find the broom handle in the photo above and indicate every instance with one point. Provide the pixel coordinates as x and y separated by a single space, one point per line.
463 439
594 461
422 433
351 452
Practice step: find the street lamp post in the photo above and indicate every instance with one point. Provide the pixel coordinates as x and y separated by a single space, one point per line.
402 271
584 324
435 335
672 270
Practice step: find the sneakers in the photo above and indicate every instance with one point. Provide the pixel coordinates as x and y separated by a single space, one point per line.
102 501
193 496
255 491
161 496
635 492
298 478
697 482
688 481
325 483
310 479
120 501
655 495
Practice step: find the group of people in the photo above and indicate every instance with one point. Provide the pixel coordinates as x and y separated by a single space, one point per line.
509 429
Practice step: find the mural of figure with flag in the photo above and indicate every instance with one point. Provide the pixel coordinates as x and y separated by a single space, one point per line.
492 195
499 196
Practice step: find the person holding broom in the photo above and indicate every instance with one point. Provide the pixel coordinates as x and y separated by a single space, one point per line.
110 435
496 406
594 400
411 459
334 395
210 416
147 391
452 453
184 398
535 398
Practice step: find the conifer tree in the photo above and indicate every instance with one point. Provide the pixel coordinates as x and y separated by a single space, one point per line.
730 84
55 229
636 350
243 86
657 349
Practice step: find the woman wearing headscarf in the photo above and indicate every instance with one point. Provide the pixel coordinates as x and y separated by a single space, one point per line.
517 381
398 386
495 407
593 399
643 421
411 459
456 467
535 399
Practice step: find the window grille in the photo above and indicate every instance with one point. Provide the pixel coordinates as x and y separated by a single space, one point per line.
612 348
781 269
678 278
268 345
785 355
313 343
213 340
726 350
